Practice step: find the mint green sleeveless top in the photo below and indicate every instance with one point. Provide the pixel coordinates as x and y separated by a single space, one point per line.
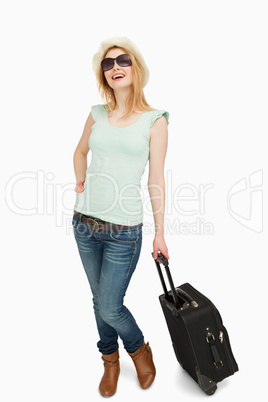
119 157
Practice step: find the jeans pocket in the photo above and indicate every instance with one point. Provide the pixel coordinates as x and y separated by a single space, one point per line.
130 235
75 222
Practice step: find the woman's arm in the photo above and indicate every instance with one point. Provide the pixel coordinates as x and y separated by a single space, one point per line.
80 155
156 181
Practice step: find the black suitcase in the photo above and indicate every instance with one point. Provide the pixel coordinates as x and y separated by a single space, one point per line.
198 336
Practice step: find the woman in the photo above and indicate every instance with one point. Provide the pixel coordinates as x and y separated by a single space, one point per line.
123 135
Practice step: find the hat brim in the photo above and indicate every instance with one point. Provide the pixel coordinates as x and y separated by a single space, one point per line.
127 44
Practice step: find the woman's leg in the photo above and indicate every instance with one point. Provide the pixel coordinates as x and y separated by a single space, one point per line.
91 252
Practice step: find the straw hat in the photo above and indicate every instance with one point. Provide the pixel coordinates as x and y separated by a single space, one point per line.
121 42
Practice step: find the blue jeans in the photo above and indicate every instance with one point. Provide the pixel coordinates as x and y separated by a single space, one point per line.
109 258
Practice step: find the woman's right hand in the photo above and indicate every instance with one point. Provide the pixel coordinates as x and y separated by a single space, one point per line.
79 188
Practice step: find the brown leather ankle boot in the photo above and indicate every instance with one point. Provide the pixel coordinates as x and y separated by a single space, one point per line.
109 380
143 361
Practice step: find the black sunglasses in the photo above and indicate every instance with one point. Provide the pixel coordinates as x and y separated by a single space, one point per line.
123 60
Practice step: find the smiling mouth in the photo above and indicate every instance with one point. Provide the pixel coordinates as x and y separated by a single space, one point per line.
118 77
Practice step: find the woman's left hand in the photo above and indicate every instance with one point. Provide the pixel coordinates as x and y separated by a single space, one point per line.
159 244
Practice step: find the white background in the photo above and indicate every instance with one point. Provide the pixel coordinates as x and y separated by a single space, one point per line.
208 64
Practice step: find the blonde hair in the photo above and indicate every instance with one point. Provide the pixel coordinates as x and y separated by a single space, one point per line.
136 99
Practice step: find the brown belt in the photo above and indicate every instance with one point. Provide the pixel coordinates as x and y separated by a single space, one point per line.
99 224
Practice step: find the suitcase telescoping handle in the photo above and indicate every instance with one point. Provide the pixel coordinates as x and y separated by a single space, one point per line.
161 258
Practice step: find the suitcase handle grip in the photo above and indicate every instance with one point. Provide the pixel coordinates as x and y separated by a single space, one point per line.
161 258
